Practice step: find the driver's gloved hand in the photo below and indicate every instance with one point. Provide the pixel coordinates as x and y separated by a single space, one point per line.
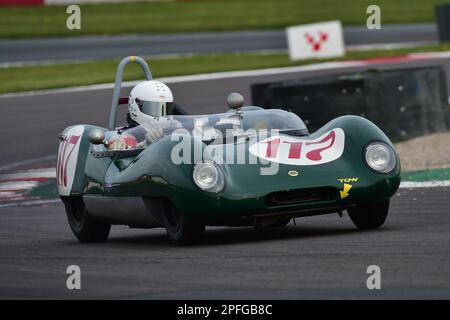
154 134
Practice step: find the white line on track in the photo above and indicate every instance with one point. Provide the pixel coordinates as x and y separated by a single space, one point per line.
389 46
30 203
18 185
238 74
151 57
29 174
50 173
4 194
196 77
349 48
430 55
11 192
425 184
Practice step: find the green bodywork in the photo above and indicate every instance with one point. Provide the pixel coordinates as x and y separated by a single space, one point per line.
153 174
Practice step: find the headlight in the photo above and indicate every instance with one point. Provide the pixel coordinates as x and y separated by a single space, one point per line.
380 157
207 176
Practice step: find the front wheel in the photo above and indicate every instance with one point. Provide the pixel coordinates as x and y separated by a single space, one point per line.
370 215
83 225
180 230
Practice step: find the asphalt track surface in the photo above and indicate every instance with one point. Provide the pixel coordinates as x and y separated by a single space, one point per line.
321 257
102 47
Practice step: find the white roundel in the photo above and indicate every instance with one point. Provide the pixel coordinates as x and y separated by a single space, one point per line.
67 159
301 152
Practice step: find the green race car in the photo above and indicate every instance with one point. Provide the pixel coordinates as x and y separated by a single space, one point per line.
247 166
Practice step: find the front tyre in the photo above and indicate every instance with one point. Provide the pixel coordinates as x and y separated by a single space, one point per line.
83 225
180 230
369 216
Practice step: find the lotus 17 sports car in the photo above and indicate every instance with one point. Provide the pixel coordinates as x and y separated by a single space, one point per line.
257 167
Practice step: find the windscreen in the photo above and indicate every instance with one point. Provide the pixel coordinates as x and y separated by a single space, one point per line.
218 127
231 123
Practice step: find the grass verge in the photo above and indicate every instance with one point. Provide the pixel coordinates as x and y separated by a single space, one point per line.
427 175
16 79
194 16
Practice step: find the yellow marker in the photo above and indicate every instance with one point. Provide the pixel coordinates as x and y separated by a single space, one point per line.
344 193
132 58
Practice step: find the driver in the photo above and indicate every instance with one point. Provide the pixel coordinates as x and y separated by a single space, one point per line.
149 104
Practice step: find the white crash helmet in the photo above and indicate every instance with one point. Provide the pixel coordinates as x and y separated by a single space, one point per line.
149 100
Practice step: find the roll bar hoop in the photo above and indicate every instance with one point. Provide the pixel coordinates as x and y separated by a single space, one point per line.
118 85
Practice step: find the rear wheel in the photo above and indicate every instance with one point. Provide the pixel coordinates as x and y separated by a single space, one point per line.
370 215
83 225
180 230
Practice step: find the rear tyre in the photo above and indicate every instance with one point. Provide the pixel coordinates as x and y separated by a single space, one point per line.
180 230
83 225
369 216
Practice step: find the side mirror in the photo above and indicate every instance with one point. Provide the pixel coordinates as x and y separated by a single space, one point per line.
235 100
96 136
